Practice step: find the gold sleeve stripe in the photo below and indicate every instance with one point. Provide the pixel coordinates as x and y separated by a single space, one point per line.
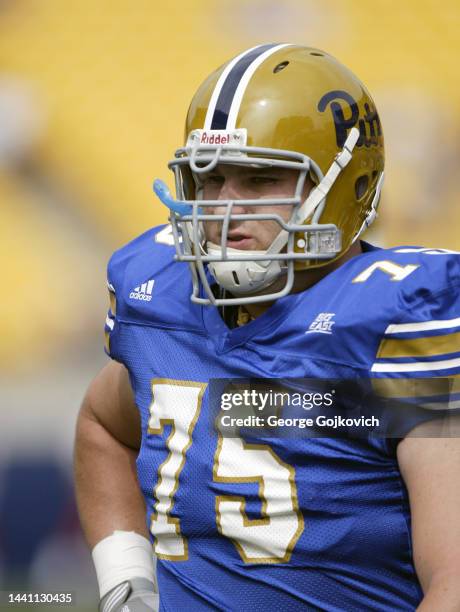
113 303
415 387
107 342
419 347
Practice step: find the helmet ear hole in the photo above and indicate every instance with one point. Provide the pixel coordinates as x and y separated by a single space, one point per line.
361 186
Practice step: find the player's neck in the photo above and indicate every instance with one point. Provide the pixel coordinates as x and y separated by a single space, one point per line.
304 279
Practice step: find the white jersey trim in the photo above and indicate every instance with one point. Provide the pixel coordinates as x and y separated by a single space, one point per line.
402 328
416 366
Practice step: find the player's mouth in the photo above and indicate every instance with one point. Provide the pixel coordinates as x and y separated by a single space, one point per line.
239 240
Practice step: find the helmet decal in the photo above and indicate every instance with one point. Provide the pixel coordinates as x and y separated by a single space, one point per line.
343 124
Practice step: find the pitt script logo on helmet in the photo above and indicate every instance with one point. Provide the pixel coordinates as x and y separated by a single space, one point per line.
283 106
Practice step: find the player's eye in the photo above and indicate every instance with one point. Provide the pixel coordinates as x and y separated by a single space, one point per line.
263 179
213 179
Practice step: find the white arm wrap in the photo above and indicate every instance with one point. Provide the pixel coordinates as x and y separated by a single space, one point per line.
122 556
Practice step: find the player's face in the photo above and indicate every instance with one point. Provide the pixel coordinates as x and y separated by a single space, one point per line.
228 182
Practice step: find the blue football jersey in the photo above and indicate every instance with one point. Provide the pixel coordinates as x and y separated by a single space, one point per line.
283 523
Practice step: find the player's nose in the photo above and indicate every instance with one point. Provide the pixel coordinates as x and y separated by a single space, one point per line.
232 190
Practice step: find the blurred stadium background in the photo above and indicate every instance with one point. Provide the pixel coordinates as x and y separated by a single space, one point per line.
93 96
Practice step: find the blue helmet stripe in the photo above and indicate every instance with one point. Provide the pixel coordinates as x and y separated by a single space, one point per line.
224 101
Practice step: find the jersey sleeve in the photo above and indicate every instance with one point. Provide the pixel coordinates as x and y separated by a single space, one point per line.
110 322
111 328
427 343
132 272
417 365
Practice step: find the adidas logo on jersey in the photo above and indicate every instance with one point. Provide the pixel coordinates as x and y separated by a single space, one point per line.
322 324
143 292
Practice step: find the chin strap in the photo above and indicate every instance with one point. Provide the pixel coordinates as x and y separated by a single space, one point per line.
243 276
319 193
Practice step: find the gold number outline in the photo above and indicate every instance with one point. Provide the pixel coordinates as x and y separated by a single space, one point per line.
151 431
265 519
381 266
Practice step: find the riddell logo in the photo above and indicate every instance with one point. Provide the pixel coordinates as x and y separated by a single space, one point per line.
231 139
218 138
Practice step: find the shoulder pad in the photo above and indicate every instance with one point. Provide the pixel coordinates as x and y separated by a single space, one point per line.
424 339
150 287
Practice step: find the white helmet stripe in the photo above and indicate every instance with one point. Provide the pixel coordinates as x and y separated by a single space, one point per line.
219 84
238 96
227 95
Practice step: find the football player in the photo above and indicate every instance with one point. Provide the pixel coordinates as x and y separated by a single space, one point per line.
261 275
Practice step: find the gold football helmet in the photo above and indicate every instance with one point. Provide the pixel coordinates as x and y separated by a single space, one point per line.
286 106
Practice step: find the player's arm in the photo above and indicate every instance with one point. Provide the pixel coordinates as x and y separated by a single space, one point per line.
106 447
430 468
110 503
